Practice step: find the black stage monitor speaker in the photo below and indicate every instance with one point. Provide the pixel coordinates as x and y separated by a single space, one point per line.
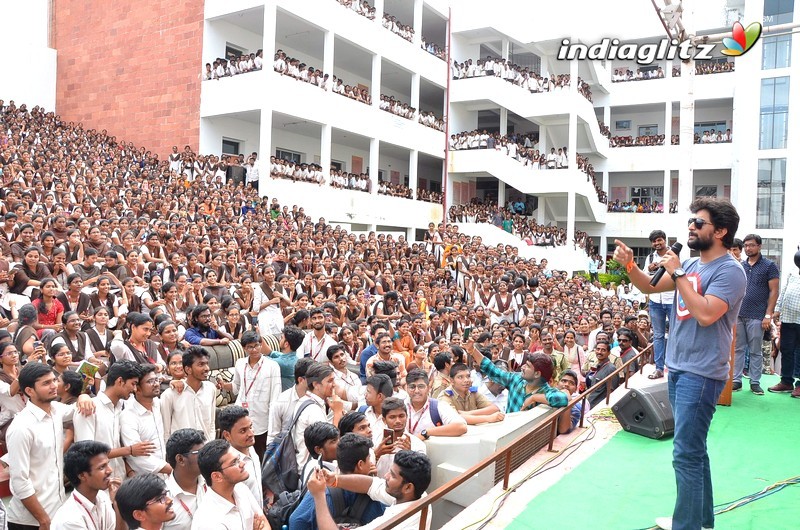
646 411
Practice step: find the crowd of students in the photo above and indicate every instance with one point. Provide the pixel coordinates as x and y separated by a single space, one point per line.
122 274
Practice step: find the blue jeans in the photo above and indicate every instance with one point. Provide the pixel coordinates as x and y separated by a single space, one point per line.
659 316
694 400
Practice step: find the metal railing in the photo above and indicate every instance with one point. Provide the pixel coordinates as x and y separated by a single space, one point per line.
550 422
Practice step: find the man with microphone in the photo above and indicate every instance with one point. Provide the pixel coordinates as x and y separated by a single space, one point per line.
709 293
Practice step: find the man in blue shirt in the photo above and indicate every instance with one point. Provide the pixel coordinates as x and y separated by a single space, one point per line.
372 349
205 332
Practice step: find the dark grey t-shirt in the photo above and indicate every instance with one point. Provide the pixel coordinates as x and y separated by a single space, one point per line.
706 350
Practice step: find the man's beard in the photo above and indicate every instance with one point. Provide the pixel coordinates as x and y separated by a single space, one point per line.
204 328
700 244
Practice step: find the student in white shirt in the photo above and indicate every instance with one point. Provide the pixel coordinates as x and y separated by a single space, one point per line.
282 410
195 407
185 485
395 417
227 503
317 342
35 441
142 422
236 428
86 466
325 406
104 425
406 481
144 502
256 383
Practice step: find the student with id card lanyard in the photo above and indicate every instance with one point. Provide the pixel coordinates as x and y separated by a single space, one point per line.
256 383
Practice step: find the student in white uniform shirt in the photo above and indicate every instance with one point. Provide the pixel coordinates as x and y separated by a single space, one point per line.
227 503
406 482
420 421
104 425
195 407
256 383
142 422
395 417
185 485
35 441
236 428
144 502
89 507
317 342
325 406
378 389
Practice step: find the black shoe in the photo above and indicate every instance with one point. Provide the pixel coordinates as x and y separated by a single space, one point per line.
737 385
756 389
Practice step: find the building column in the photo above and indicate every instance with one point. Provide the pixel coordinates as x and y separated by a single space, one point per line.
417 23
572 139
607 116
503 121
270 14
573 76
543 149
506 46
265 150
571 215
374 155
375 89
501 193
327 53
667 123
325 151
606 183
602 249
413 159
378 4
415 89
667 189
540 210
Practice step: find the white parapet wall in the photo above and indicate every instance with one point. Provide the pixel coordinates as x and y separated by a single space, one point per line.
565 258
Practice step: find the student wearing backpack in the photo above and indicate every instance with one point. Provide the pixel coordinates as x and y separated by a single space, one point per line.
281 411
426 416
406 481
321 439
354 458
325 406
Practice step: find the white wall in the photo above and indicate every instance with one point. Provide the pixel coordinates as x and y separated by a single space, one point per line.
30 79
212 130
218 33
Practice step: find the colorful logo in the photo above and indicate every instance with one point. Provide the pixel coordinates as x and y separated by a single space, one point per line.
743 39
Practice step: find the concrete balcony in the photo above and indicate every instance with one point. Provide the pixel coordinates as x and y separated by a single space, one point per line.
296 98
703 156
353 207
710 86
639 225
479 93
554 184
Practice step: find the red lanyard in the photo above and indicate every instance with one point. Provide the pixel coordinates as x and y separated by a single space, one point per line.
86 510
186 508
319 350
244 376
421 414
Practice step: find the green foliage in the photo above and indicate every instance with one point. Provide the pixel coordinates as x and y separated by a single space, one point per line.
616 273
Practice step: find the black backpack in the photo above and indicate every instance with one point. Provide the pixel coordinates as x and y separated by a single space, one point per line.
279 471
282 508
348 516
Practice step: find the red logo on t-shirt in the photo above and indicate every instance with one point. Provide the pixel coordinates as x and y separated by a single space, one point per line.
682 312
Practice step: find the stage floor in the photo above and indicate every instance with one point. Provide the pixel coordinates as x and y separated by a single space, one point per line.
618 480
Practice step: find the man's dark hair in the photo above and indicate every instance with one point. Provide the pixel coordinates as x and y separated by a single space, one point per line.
655 234
390 404
181 442
31 373
349 421
294 336
316 373
74 381
458 368
301 368
723 215
317 434
124 370
227 417
382 384
751 237
316 311
415 469
250 336
192 354
210 456
331 351
737 243
572 374
135 493
606 312
352 449
78 456
388 368
441 359
416 375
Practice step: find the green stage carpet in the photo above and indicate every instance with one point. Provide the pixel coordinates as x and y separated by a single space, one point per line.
629 481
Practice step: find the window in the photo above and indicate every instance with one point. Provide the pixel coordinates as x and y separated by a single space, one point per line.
648 130
230 147
639 253
233 52
716 126
705 191
777 52
647 194
774 113
770 197
772 249
778 12
285 154
338 166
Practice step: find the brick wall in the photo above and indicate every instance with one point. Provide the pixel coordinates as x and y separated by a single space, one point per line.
132 68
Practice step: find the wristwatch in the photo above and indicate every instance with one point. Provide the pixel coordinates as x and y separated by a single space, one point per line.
768 316
425 434
678 274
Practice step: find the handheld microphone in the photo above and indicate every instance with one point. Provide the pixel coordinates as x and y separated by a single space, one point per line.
676 248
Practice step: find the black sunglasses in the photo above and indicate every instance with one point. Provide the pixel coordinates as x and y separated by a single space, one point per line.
698 223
